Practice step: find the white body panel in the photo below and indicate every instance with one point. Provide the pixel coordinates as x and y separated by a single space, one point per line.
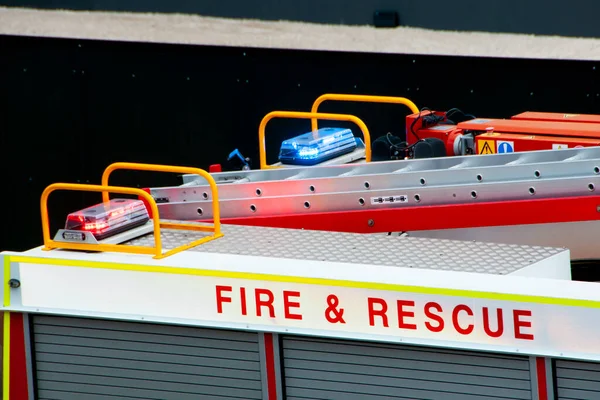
303 272
578 237
193 300
126 287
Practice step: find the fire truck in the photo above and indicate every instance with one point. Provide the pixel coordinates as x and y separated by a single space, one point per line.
326 276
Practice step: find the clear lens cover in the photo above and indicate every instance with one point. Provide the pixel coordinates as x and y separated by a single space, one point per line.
315 147
109 218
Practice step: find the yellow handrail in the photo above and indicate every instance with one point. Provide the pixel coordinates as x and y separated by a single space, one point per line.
174 169
360 98
308 115
157 250
50 244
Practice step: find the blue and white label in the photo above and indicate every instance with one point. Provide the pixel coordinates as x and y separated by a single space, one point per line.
505 147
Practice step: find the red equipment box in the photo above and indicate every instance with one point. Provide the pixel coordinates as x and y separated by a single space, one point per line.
529 131
542 128
492 143
508 136
542 116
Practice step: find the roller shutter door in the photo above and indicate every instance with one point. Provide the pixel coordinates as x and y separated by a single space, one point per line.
577 380
99 359
325 369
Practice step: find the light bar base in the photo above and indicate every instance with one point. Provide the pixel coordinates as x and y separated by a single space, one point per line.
75 236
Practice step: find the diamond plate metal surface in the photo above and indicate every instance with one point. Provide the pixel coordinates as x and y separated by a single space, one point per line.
411 252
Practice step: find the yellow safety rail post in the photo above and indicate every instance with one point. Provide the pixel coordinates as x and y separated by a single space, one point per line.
360 98
215 227
6 332
50 244
308 115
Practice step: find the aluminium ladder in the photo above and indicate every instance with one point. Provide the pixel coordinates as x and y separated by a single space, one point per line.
390 184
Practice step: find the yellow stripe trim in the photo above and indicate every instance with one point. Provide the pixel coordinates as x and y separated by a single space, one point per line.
314 281
6 299
6 333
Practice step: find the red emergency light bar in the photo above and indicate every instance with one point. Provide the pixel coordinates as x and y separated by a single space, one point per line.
108 219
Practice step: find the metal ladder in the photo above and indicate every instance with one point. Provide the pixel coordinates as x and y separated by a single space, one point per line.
405 183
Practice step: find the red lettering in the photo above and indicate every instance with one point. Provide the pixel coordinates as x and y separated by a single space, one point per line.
491 320
402 313
287 304
243 301
459 329
380 313
435 317
264 303
262 298
517 314
486 323
221 299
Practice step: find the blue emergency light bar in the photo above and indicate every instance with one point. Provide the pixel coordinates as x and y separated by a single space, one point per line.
315 147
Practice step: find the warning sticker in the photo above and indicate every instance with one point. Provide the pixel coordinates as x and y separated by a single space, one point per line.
486 147
571 115
560 146
488 134
389 199
480 121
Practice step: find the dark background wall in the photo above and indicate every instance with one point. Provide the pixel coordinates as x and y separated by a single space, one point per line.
69 108
547 17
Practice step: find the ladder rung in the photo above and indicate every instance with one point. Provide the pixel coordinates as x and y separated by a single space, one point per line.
270 191
413 165
363 199
397 180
